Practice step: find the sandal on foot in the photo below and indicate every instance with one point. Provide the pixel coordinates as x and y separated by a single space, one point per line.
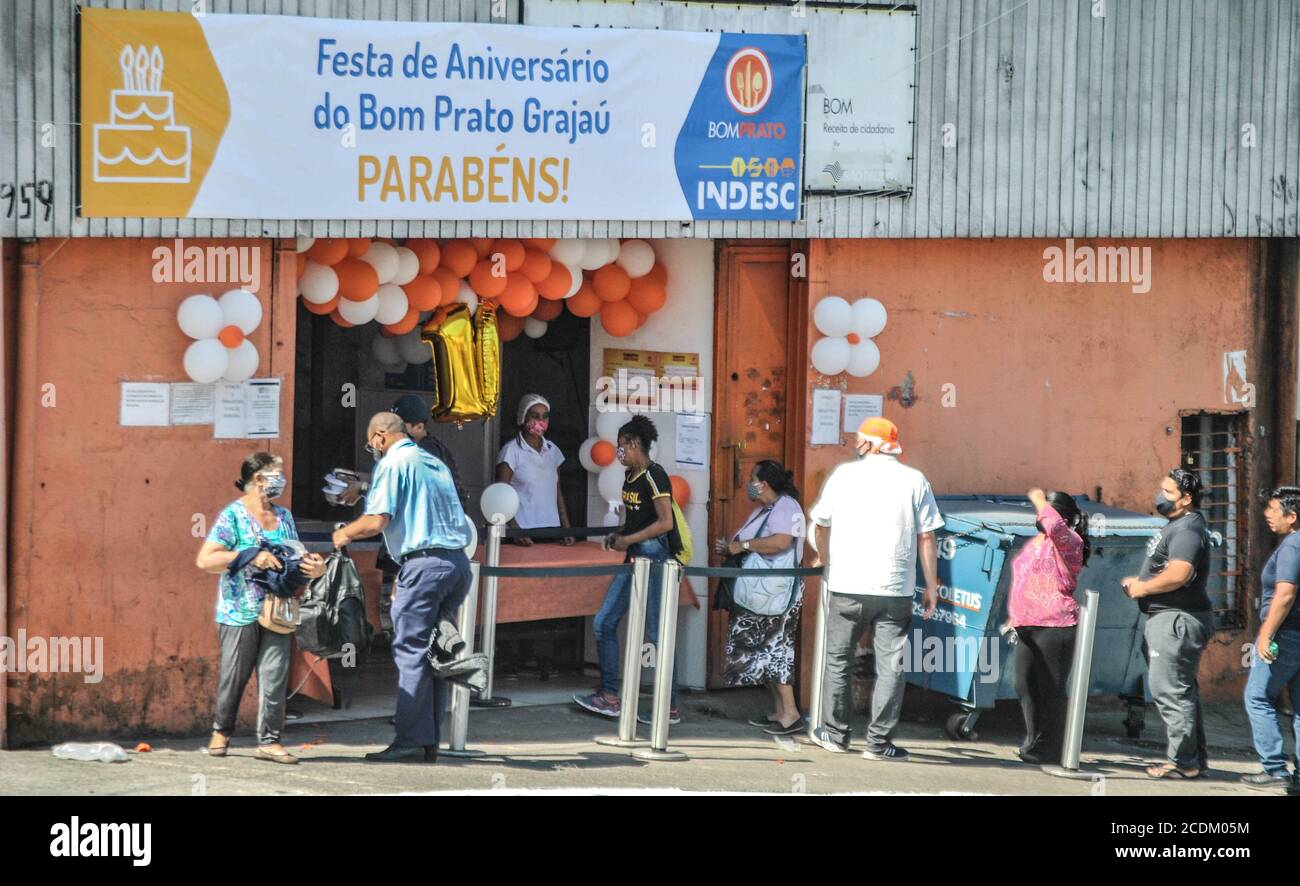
1170 770
217 745
275 753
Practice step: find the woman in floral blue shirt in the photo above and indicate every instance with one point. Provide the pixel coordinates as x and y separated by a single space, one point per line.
246 645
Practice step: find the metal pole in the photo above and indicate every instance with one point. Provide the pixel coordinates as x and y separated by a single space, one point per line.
626 737
1080 677
819 656
496 532
663 698
458 731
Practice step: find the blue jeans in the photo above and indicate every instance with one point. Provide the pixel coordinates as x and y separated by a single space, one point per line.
1262 691
617 600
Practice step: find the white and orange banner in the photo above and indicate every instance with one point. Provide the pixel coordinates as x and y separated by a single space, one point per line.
243 116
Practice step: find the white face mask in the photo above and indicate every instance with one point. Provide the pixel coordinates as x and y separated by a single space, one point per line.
273 485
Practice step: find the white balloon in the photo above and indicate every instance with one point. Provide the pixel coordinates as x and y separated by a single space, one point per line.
833 316
206 361
408 266
412 348
241 308
611 517
608 423
593 254
830 356
241 362
864 358
393 304
500 503
584 455
319 283
467 296
568 251
575 280
869 317
534 328
200 316
383 258
636 257
384 349
397 368
302 244
472 546
359 313
609 482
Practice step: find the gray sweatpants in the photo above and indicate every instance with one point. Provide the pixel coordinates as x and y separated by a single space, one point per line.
1173 647
245 648
849 618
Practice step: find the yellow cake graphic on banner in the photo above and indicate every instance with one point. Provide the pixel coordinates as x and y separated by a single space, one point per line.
153 110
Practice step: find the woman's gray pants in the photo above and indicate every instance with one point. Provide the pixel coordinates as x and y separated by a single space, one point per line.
245 648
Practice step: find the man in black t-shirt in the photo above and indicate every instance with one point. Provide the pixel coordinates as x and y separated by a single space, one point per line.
1171 594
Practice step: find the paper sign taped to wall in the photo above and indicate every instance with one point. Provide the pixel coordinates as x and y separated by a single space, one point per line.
145 405
825 417
860 407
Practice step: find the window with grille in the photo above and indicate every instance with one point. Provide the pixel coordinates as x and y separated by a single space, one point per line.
1211 445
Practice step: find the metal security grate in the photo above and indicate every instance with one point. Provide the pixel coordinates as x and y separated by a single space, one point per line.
1211 446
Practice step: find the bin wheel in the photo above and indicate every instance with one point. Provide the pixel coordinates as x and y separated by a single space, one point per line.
961 726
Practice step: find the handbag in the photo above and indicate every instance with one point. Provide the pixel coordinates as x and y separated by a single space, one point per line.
725 596
280 614
766 595
333 611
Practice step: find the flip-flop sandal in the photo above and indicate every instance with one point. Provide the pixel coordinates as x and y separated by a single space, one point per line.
762 722
1168 770
217 750
283 757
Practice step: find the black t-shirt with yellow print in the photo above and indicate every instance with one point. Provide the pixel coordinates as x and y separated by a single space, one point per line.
639 494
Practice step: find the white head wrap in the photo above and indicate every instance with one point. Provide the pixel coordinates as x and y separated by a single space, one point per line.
527 402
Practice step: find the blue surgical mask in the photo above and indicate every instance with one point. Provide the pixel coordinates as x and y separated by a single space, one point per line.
273 485
752 490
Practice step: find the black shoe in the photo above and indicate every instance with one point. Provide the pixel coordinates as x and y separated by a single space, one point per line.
1029 756
396 753
1266 780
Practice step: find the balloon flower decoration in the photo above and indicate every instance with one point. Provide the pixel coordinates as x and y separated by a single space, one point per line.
848 330
531 281
500 503
221 350
598 455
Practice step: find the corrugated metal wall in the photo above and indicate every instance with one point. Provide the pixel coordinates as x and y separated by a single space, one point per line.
1066 123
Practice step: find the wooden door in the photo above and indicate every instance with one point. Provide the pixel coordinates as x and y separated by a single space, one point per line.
752 413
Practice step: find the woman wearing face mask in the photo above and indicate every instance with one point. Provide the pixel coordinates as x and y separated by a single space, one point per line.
1043 618
760 648
246 645
531 464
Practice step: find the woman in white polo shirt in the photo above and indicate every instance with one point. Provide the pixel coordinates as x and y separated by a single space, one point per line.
531 464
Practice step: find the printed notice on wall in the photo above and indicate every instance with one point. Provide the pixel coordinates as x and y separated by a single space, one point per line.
228 414
825 417
145 404
193 404
692 441
263 399
860 407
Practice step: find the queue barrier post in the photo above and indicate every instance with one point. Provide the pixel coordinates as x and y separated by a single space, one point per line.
460 695
485 699
819 657
626 737
1080 677
658 750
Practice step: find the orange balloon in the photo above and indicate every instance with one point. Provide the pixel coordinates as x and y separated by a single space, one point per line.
548 310
585 302
459 257
327 251
406 324
327 308
427 252
482 245
509 327
681 489
519 298
358 280
618 318
338 318
646 295
640 319
448 284
231 336
541 244
302 265
557 282
512 252
536 266
484 282
357 246
602 453
659 271
423 293
611 283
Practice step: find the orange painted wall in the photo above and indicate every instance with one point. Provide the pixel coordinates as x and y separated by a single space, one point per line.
1065 386
104 516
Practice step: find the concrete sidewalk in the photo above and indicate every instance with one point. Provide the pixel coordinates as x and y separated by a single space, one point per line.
551 747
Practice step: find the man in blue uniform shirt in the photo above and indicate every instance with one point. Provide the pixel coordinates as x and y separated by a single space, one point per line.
413 502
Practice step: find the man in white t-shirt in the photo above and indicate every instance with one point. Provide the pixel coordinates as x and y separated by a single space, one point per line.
872 516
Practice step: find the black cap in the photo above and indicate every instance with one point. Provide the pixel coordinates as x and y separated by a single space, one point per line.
411 409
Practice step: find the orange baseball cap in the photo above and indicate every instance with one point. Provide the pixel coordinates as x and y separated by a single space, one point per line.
883 432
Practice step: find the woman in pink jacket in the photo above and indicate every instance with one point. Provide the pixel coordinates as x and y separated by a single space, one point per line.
1043 613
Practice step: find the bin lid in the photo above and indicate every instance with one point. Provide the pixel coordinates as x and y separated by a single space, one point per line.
1014 515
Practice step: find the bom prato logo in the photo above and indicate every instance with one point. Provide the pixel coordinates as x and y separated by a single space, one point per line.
748 80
